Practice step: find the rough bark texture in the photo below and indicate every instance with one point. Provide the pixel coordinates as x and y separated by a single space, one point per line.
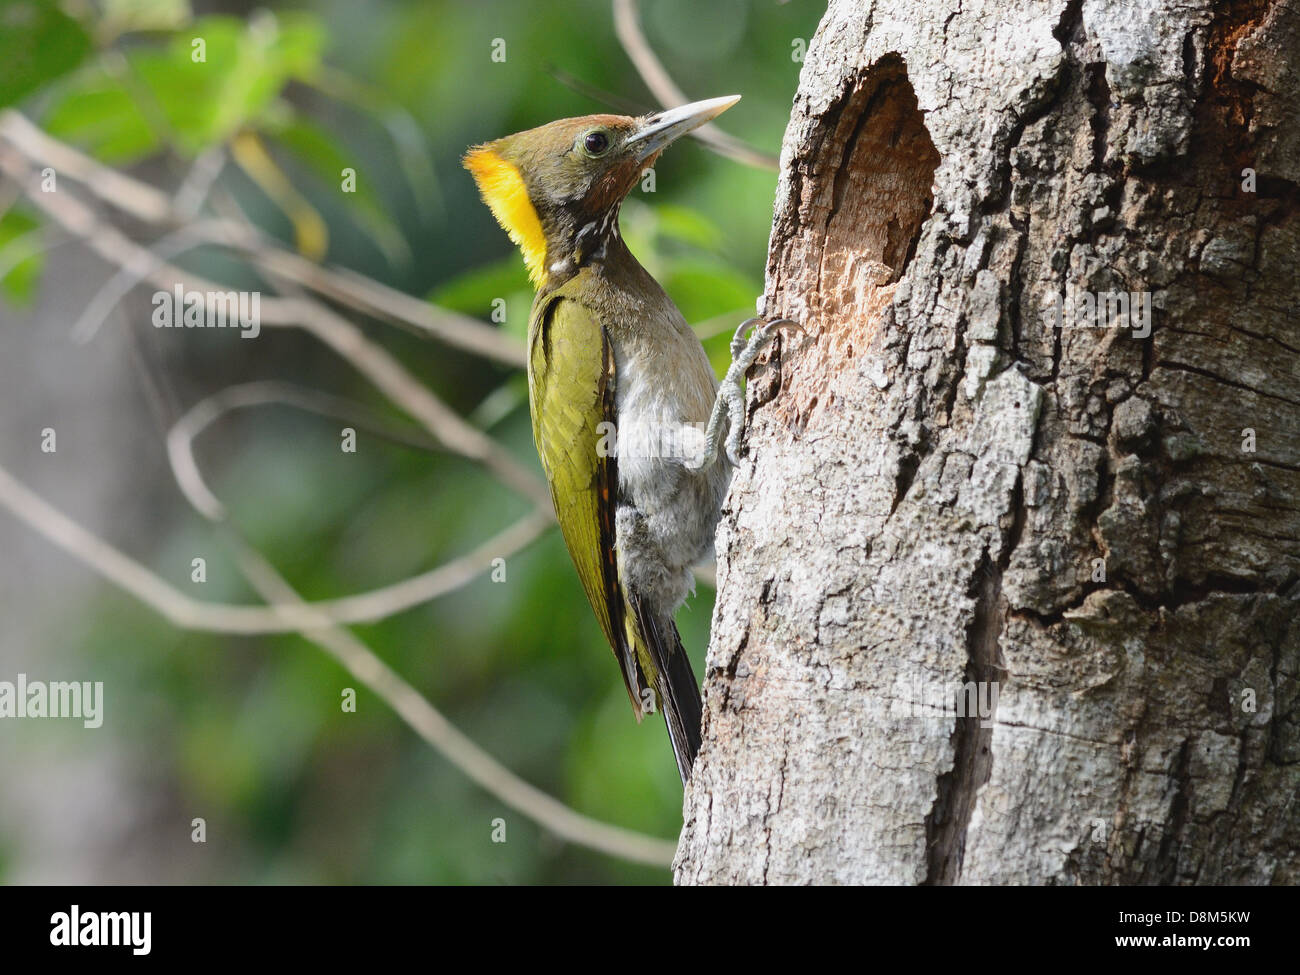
943 486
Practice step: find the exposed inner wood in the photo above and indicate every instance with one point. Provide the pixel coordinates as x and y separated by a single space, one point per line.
865 195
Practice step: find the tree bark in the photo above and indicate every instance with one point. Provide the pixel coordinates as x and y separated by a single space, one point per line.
952 483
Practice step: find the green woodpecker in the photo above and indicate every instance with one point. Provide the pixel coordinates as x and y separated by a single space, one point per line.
618 383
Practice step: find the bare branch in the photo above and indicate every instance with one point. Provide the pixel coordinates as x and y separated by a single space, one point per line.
139 199
194 189
128 276
429 723
373 298
318 626
390 376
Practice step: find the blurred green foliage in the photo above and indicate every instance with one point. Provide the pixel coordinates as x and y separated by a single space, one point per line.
249 732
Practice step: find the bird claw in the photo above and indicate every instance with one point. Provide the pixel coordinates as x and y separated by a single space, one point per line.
763 333
745 348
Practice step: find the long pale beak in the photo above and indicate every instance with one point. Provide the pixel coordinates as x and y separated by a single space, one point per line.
663 128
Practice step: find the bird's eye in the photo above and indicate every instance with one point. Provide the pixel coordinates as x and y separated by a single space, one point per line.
595 142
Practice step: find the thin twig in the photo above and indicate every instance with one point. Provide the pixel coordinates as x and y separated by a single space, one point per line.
625 105
397 383
363 294
389 686
181 436
193 192
375 362
189 613
627 26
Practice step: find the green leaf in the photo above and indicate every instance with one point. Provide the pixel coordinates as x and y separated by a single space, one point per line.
97 113
242 72
38 42
21 257
164 95
320 152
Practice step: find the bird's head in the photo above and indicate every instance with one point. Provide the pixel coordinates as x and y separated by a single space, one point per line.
557 189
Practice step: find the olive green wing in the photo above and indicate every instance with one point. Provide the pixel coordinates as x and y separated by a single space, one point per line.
571 379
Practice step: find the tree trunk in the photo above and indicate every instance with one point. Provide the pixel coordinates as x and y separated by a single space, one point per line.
958 492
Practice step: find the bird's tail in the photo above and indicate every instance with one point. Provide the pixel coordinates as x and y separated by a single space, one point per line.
674 683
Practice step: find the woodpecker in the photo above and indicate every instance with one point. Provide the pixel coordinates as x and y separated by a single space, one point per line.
627 413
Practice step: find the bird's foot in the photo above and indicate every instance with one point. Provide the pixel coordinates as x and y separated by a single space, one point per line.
730 402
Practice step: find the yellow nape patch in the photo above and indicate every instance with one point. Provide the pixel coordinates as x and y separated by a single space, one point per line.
504 192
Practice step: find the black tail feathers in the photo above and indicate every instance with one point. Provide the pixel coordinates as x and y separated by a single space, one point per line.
676 687
683 708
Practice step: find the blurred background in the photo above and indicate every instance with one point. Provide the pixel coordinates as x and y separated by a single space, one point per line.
247 732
